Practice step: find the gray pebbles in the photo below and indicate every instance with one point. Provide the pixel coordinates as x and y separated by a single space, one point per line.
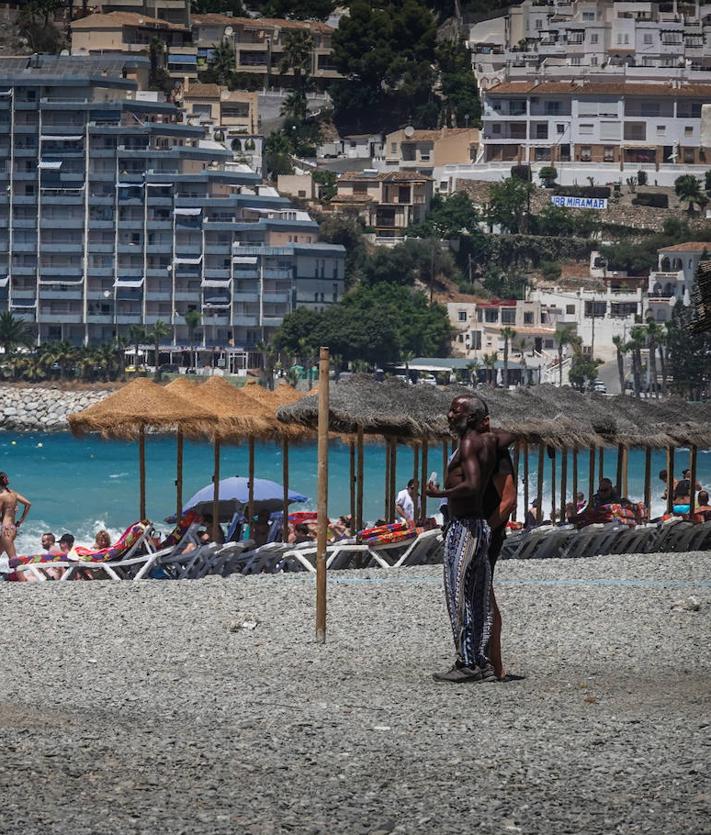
206 707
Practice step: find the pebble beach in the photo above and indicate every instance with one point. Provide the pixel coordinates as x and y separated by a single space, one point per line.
207 707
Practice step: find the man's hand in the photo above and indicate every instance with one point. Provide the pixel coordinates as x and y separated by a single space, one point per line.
433 490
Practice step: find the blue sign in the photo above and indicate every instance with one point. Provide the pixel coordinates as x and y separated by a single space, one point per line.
579 202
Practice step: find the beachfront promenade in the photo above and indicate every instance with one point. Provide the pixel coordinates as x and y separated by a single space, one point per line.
136 707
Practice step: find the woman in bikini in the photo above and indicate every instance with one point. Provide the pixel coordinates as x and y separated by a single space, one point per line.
8 509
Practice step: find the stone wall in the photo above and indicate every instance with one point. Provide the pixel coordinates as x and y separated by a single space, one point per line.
33 408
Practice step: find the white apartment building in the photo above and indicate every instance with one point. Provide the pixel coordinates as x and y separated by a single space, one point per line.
674 280
610 126
558 40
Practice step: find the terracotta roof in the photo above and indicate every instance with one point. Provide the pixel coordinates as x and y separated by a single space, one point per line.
353 198
203 91
116 19
386 176
260 23
437 134
688 246
697 90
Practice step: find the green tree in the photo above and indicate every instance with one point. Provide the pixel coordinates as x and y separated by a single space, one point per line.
551 270
621 349
277 155
507 334
637 341
158 77
347 231
136 335
654 334
449 217
583 371
232 7
461 105
35 23
13 333
223 62
548 175
489 361
296 57
192 319
508 204
688 190
326 182
563 336
299 9
159 331
688 355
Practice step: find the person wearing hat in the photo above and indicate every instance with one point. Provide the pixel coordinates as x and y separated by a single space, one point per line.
531 520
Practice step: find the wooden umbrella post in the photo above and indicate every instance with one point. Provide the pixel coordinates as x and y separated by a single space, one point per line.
285 498
416 461
625 473
618 475
387 480
600 464
359 491
648 481
525 478
539 483
423 482
250 500
393 477
515 480
591 474
553 482
563 482
322 496
179 475
575 478
692 480
142 471
670 479
352 477
216 492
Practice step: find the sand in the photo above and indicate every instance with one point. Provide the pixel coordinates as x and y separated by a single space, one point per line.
147 708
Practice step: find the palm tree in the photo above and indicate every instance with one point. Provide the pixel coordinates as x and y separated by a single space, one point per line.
136 335
13 333
653 334
563 336
621 348
661 346
521 347
508 335
490 365
688 189
296 56
223 62
159 331
192 320
295 106
638 338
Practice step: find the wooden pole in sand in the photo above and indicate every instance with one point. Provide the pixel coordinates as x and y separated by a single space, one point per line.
179 475
393 477
352 474
285 481
142 471
359 486
539 483
515 480
692 480
575 478
216 491
386 512
250 500
648 481
416 461
600 464
525 478
591 474
670 479
423 480
322 496
563 482
552 456
625 473
618 474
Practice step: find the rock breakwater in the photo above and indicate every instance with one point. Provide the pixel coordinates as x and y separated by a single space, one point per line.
32 409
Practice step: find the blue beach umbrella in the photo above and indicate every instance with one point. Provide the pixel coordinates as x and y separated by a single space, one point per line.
234 496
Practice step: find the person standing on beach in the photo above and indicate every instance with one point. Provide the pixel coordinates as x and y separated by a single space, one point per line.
467 572
8 510
407 502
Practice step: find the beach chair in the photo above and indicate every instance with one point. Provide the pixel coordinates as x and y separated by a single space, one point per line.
665 536
588 540
339 556
688 536
554 544
188 565
531 543
420 550
263 559
512 543
123 560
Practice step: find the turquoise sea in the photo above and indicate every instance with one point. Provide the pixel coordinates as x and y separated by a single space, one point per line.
81 485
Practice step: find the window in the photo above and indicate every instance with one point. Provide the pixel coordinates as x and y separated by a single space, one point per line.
688 131
594 37
560 129
491 316
548 343
570 310
585 153
476 340
393 147
586 128
542 131
496 129
650 108
542 154
462 315
539 23
528 318
576 60
588 15
647 39
595 309
608 153
552 108
623 309
508 316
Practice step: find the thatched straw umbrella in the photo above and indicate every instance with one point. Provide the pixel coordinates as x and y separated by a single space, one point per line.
135 407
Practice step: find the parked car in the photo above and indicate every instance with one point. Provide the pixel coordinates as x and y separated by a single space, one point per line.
599 387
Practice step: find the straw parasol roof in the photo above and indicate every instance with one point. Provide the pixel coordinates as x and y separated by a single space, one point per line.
141 404
559 417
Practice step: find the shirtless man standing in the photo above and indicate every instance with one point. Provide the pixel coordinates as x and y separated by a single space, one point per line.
467 571
8 509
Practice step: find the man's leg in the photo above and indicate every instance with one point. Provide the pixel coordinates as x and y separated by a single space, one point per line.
477 598
495 639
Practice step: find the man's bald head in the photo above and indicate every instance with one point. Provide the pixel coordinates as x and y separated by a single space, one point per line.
468 411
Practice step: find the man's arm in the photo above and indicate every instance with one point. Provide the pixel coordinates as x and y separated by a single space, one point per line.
27 505
470 485
506 488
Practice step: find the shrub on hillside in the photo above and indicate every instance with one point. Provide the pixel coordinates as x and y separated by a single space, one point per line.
599 192
657 199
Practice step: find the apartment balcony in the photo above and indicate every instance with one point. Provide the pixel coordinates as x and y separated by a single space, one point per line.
245 321
61 222
55 246
187 295
128 318
100 318
158 296
101 272
61 318
276 298
24 199
220 274
101 224
24 315
20 224
73 273
101 247
24 270
246 297
24 295
24 246
270 272
76 198
75 294
272 321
